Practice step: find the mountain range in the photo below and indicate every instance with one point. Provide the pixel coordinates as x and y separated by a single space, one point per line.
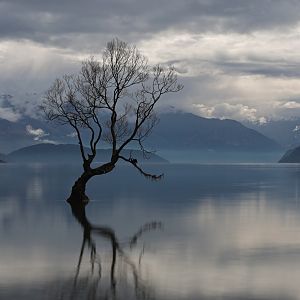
186 131
70 153
175 131
284 132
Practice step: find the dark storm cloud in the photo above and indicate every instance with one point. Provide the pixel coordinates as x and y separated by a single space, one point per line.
279 70
268 68
211 43
54 21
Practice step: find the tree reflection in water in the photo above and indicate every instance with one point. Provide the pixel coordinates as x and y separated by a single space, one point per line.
89 286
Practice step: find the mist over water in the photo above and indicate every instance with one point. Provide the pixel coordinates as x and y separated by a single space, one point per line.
221 156
222 232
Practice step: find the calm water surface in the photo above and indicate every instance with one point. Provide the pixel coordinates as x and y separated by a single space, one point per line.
203 232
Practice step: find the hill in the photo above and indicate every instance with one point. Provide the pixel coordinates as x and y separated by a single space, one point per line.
67 153
291 156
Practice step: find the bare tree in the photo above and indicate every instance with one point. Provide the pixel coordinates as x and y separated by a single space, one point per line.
112 100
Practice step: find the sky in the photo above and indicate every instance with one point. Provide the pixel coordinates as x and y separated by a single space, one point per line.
237 59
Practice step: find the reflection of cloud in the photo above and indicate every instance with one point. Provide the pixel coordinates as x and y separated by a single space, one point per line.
249 247
215 241
35 189
8 208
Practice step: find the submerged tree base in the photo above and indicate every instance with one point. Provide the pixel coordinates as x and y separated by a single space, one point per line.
78 198
78 195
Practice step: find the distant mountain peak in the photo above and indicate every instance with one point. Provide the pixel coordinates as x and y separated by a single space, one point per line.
181 130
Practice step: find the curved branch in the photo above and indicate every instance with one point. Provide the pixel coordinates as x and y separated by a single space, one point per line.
133 162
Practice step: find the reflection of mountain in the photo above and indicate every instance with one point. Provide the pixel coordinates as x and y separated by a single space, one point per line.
291 156
70 153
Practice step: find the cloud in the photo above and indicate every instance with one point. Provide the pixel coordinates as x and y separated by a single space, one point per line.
7 110
297 128
8 114
254 70
53 23
228 111
72 134
234 52
38 133
47 141
35 71
291 104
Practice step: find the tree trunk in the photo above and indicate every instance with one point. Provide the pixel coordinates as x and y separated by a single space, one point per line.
78 194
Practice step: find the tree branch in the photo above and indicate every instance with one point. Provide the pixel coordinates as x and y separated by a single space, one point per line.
133 162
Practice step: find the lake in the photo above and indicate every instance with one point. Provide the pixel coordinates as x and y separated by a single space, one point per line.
203 232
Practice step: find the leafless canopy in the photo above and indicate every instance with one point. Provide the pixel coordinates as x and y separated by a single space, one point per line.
112 99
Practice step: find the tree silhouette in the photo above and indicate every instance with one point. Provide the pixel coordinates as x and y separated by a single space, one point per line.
110 100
